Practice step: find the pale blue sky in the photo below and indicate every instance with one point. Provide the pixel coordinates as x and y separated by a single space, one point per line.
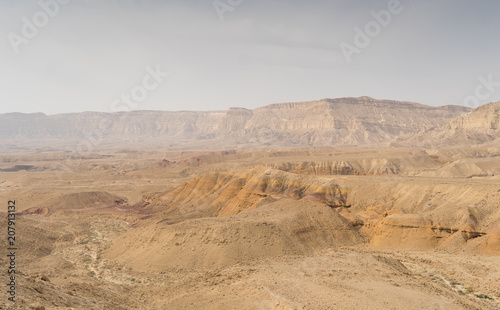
265 51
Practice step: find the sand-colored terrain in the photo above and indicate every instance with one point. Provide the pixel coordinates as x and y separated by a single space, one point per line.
364 207
314 228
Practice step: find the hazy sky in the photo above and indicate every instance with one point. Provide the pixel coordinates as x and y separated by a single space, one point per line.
88 55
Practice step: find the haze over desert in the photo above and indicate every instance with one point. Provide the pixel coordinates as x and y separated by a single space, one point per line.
260 155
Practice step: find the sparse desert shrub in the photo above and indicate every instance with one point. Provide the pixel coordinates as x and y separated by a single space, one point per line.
483 296
469 289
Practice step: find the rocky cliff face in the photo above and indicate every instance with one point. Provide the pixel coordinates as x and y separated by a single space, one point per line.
481 125
344 121
342 167
485 119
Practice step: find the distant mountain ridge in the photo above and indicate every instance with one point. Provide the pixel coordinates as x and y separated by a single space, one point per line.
481 125
342 121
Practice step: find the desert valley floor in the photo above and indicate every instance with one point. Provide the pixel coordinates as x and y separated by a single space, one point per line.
276 228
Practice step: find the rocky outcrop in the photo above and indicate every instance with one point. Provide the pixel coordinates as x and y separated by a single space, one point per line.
416 232
485 119
342 167
480 126
229 193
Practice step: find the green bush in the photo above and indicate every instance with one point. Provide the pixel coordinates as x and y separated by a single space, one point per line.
483 296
